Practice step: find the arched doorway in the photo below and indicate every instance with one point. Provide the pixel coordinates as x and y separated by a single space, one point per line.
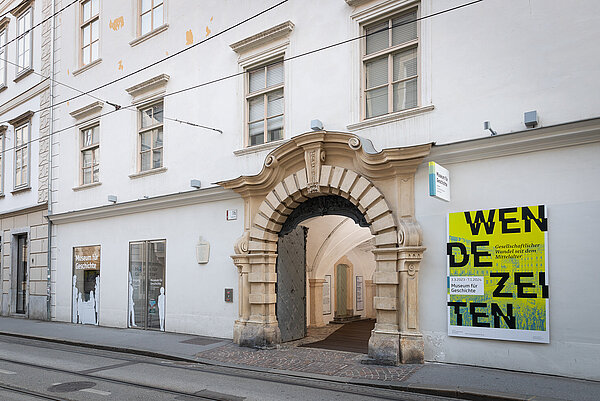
380 185
291 307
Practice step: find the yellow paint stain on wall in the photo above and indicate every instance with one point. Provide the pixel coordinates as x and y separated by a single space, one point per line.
120 65
166 53
211 19
116 24
67 71
207 31
189 37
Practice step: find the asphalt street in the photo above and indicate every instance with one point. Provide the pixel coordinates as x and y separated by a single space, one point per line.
31 370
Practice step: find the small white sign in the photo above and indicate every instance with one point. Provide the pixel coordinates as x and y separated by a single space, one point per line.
439 182
466 285
202 251
231 214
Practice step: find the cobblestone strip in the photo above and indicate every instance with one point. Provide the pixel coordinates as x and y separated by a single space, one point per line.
307 360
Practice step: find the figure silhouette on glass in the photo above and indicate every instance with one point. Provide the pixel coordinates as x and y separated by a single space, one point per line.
131 303
161 308
97 300
92 302
79 307
75 293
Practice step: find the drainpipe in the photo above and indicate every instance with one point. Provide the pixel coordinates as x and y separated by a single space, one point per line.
50 132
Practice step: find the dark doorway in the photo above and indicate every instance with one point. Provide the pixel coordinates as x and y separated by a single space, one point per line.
21 305
291 308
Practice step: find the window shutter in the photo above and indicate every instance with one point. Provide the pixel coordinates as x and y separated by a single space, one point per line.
405 64
377 73
257 80
377 41
274 75
403 30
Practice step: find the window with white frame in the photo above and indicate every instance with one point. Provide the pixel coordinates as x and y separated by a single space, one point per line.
151 137
90 30
3 62
90 149
390 65
24 41
264 100
151 15
22 137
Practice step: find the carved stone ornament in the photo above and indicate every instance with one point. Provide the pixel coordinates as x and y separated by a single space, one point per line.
354 143
241 245
270 161
411 269
314 156
410 233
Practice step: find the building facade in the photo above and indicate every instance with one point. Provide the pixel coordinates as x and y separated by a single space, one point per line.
25 112
250 169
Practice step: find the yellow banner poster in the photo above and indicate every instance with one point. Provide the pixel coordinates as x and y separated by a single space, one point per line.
497 282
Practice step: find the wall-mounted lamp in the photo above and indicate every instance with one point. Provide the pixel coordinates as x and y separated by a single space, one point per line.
488 126
112 198
195 184
530 118
316 125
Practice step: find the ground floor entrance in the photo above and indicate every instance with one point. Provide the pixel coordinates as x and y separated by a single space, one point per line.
147 285
324 174
21 274
324 263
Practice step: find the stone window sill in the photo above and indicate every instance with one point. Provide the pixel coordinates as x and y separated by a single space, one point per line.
148 35
388 118
259 148
3 87
148 172
86 186
21 189
23 74
87 67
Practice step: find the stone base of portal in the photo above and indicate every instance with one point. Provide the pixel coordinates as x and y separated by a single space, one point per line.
386 348
256 335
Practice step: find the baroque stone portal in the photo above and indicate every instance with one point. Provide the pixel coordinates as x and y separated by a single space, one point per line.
381 186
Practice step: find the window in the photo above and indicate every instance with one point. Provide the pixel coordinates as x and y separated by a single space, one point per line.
265 104
151 15
3 61
151 137
24 41
90 37
22 156
390 65
90 148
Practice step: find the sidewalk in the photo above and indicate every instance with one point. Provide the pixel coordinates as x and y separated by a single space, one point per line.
345 367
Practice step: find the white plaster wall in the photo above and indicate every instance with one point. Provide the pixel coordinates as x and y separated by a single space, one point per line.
563 180
484 62
194 293
526 56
